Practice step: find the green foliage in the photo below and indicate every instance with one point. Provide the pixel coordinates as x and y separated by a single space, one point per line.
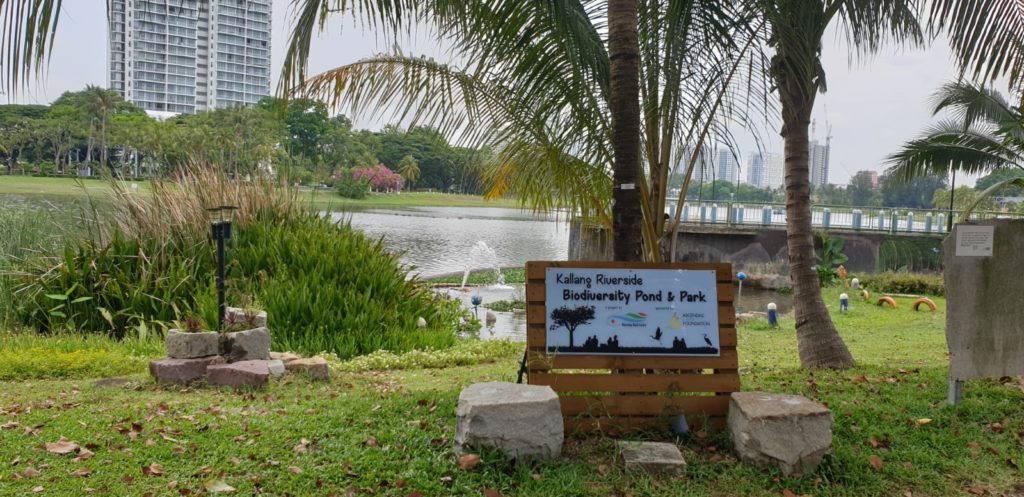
831 258
916 193
327 287
997 176
906 283
349 187
909 254
512 276
862 190
25 356
462 354
505 305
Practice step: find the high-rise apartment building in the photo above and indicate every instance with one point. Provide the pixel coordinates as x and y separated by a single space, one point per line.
774 170
188 56
818 155
728 168
755 170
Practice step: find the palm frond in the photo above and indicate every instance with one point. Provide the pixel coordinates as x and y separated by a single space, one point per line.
987 194
987 36
28 29
947 146
973 104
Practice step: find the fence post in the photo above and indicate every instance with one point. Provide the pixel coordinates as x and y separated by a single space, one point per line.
941 224
910 221
703 213
766 215
686 212
714 213
857 215
881 219
826 217
738 210
928 222
894 222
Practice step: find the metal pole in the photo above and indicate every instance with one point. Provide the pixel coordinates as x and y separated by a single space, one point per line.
952 192
218 233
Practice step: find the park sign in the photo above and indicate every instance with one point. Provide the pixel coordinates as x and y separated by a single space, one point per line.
631 345
631 311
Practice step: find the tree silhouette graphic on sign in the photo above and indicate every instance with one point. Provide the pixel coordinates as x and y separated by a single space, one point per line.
571 318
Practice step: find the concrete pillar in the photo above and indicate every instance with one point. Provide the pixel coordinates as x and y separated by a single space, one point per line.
857 218
881 220
826 217
928 222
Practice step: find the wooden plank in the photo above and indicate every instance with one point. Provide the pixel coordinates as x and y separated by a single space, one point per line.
537 314
535 292
535 269
643 405
653 383
536 336
585 425
542 361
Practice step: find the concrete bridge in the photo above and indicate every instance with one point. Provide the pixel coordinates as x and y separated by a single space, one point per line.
753 236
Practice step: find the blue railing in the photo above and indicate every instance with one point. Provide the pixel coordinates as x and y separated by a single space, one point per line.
828 216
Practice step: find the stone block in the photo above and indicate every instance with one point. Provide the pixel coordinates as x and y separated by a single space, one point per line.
285 357
522 421
789 432
248 345
185 345
251 319
655 458
181 371
315 367
239 374
275 367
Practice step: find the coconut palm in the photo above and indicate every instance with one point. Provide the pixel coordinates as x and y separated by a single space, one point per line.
409 169
985 134
540 90
100 104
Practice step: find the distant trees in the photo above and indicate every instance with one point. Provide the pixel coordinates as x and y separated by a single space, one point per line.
862 190
296 139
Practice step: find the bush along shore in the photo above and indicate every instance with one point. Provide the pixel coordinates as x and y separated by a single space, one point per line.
146 263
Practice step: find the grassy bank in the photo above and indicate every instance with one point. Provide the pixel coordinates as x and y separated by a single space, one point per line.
389 432
69 189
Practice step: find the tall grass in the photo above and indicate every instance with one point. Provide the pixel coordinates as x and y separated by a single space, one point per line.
148 262
25 232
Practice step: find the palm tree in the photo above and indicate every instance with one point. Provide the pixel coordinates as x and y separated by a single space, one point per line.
100 104
540 93
409 169
986 134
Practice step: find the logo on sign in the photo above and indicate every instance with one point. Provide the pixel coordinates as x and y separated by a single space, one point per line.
631 319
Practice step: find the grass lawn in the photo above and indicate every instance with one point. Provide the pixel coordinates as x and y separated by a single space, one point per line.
69 188
388 432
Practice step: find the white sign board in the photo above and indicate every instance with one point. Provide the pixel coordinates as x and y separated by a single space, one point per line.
974 241
631 311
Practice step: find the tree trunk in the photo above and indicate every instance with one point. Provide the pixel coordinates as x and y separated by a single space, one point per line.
818 341
624 107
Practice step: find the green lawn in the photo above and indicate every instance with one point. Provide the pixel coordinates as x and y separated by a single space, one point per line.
68 188
389 432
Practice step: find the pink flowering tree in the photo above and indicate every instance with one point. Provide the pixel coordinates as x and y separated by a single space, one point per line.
381 178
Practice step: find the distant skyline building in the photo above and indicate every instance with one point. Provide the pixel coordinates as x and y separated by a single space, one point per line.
188 56
755 170
728 167
819 156
774 170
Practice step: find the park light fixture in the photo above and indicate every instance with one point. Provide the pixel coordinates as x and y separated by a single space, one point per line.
220 223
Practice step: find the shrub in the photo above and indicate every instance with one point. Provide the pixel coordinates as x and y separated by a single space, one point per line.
28 356
349 187
381 178
463 354
908 283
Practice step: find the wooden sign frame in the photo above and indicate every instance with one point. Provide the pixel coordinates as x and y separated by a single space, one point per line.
629 392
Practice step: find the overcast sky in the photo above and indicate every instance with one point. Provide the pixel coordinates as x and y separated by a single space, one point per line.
873 106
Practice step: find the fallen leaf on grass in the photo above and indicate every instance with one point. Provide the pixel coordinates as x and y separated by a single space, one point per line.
490 492
9 425
788 493
30 472
923 421
63 446
977 490
83 454
81 472
468 461
213 486
536 477
38 489
295 470
602 469
154 469
876 462
371 442
859 379
303 446
172 484
879 444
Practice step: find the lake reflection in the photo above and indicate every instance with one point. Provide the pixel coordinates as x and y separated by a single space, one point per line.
438 240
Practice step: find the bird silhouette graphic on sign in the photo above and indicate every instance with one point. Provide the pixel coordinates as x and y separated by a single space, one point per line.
707 340
657 334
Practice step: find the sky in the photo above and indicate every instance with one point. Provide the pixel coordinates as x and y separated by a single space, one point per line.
873 105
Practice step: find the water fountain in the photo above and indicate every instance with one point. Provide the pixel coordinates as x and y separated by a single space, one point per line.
482 256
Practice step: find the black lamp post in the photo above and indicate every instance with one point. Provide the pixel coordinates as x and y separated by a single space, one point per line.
220 222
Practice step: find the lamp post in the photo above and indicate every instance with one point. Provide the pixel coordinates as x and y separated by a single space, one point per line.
220 223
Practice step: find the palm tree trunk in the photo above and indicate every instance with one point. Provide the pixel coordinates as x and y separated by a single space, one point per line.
624 107
818 341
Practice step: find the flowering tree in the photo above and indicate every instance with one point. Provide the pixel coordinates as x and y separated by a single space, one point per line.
381 178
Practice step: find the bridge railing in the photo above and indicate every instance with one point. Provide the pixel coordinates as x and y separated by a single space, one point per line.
878 219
